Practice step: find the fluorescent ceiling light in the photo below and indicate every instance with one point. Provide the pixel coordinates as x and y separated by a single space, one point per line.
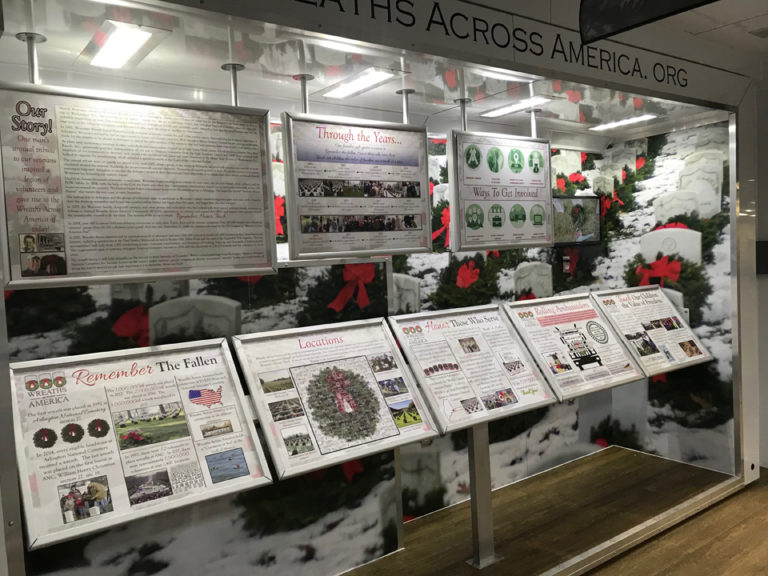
506 76
120 46
366 80
522 105
116 45
625 122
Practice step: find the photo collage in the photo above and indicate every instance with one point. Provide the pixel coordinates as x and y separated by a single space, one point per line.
42 254
312 188
359 223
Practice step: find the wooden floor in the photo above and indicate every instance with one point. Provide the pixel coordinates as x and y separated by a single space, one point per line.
547 519
726 539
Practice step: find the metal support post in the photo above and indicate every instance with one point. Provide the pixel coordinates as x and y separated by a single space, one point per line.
304 79
462 102
32 39
533 113
233 69
405 93
480 493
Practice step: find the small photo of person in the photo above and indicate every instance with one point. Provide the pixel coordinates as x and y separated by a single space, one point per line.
28 243
31 265
84 499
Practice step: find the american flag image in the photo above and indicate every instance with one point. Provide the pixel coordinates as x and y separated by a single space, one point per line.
205 397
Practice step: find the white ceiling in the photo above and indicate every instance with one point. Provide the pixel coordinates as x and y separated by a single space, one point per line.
731 23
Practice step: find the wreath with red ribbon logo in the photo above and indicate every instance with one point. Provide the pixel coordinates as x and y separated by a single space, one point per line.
98 428
72 433
44 438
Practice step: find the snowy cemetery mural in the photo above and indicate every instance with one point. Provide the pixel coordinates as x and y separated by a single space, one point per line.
664 210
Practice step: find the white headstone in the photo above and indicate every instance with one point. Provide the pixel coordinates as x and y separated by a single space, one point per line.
602 185
162 289
686 243
536 277
407 293
675 203
566 162
439 193
203 316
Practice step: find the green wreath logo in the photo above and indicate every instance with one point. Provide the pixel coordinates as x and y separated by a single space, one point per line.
72 433
342 404
98 428
44 438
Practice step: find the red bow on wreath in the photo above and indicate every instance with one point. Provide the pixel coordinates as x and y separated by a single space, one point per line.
250 279
279 213
662 268
445 220
605 205
561 184
468 274
527 295
356 276
616 198
672 225
576 178
134 324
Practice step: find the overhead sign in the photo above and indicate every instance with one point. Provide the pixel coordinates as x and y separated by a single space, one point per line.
600 19
474 33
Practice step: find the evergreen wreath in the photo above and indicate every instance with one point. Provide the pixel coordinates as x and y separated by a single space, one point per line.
355 424
98 428
44 438
72 433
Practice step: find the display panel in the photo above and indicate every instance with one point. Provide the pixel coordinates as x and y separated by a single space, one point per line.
500 191
652 329
576 220
106 438
110 191
328 394
471 365
573 344
356 189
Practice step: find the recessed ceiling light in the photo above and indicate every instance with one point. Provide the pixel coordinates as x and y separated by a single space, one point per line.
118 45
518 107
506 76
625 122
365 80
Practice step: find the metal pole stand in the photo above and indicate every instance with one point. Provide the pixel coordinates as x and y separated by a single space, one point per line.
483 554
462 102
233 68
304 78
32 39
405 93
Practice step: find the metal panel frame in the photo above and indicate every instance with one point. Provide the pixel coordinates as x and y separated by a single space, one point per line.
488 416
284 470
97 525
292 192
457 219
635 355
267 192
562 395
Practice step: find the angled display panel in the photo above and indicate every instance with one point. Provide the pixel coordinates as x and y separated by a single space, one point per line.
471 365
500 191
328 394
99 190
573 344
355 188
107 438
652 329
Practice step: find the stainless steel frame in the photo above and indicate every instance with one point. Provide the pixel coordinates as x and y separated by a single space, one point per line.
618 331
457 216
292 190
562 395
481 417
92 526
284 468
266 192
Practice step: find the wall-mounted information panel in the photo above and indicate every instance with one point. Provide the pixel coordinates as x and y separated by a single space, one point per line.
103 191
652 329
355 188
500 191
106 438
574 344
328 394
471 365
